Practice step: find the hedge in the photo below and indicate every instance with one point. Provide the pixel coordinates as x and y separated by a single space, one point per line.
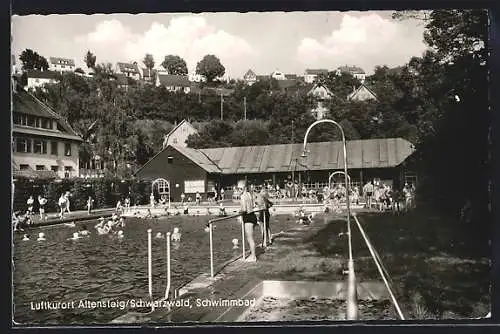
105 192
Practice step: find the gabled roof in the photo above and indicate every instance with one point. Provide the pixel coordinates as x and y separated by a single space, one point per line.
170 80
361 87
316 71
250 74
369 153
351 69
35 74
128 68
177 127
318 85
25 103
62 61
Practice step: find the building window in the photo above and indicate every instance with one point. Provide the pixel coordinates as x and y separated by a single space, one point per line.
24 167
47 123
67 171
23 145
39 147
32 121
54 168
21 119
53 148
170 160
67 150
40 167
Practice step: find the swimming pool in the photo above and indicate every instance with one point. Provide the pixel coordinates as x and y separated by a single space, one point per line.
103 268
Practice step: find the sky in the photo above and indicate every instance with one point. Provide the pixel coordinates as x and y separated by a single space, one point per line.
264 42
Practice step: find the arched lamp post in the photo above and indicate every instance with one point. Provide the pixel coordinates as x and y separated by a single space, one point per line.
352 304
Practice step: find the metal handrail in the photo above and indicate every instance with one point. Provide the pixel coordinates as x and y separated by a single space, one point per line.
215 220
372 252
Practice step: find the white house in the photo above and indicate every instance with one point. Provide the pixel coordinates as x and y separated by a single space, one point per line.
179 134
250 77
61 64
173 83
310 75
278 75
355 71
129 69
193 77
39 78
322 94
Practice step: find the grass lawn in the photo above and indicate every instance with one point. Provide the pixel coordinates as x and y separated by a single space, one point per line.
437 271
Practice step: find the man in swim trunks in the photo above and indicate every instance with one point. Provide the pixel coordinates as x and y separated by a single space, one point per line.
249 220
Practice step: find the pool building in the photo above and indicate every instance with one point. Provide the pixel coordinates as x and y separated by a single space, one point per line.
191 170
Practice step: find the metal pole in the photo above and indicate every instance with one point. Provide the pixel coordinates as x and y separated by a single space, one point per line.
211 252
150 269
265 228
167 291
243 237
352 307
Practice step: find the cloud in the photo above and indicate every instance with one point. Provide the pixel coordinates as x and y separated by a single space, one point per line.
365 41
189 37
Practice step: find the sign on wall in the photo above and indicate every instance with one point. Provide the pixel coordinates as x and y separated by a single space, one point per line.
194 186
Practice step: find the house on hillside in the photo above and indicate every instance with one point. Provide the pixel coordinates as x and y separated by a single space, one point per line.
129 69
179 134
278 75
39 78
173 83
362 93
311 74
193 77
355 71
250 77
61 64
43 144
322 95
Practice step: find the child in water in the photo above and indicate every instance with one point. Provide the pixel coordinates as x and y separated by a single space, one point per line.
84 231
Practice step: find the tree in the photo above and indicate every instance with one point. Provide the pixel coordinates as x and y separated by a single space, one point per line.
210 67
175 65
149 62
79 70
90 60
33 61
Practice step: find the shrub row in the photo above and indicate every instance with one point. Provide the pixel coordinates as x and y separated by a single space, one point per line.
105 192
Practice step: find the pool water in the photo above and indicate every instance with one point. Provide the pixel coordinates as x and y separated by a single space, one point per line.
104 268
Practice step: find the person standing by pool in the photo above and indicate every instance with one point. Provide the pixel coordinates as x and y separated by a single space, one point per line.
41 202
183 197
263 202
127 204
368 192
90 202
152 200
62 205
198 198
249 220
222 193
30 202
67 195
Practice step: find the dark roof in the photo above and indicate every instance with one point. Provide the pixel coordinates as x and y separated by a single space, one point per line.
291 76
127 67
316 71
349 97
62 61
42 74
25 103
263 77
351 69
146 73
369 153
170 80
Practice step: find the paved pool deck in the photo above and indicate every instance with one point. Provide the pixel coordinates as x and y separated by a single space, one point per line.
292 256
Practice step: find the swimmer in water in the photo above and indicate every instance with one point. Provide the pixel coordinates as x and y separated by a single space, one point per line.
41 236
176 236
76 236
120 234
84 231
235 243
72 224
101 223
159 236
26 237
121 222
